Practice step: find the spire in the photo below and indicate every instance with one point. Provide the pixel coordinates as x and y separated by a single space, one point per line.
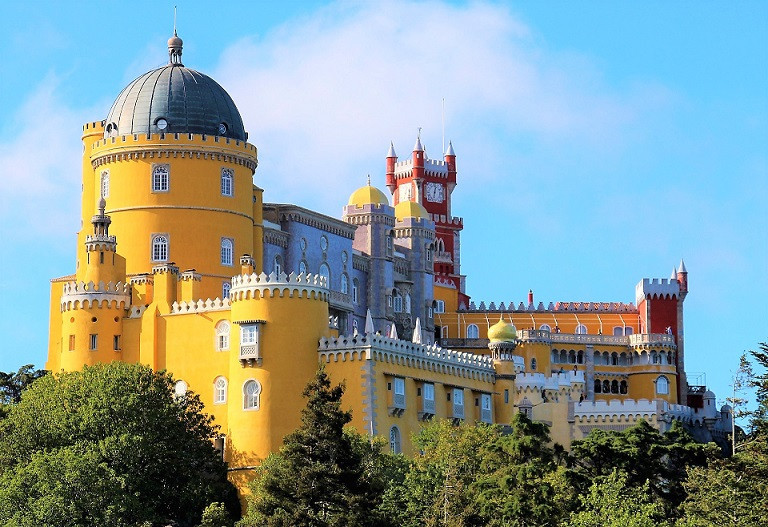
417 331
674 274
391 151
174 45
681 268
393 332
369 323
450 151
417 147
369 180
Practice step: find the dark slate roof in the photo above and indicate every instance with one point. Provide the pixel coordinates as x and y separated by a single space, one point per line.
188 100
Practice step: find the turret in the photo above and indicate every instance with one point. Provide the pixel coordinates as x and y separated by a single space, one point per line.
502 338
391 161
450 162
682 277
418 169
102 263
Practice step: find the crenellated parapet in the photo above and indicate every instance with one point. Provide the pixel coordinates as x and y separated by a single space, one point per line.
420 356
615 409
82 295
571 307
100 242
639 341
556 382
262 285
200 306
657 288
648 341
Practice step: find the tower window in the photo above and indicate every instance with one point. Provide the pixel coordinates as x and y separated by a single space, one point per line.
116 345
439 306
220 391
222 336
227 177
662 386
355 290
159 248
473 332
71 343
325 272
105 183
302 267
398 301
251 395
344 284
225 287
227 249
93 342
161 175
394 440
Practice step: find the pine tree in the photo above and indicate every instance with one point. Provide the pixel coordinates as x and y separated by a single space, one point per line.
318 478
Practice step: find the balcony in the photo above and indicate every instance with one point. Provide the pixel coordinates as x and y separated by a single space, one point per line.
464 343
639 339
249 355
340 301
457 412
398 404
427 409
486 415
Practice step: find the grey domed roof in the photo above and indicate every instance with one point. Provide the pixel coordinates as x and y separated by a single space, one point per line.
179 100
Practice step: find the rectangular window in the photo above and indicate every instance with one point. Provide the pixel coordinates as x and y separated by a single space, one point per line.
93 342
444 332
71 343
429 392
399 397
506 396
227 176
458 397
439 306
248 335
105 184
116 343
161 178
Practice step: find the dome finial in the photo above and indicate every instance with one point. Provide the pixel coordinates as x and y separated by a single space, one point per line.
175 44
369 180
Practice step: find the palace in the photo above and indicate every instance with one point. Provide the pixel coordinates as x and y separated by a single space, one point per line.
182 266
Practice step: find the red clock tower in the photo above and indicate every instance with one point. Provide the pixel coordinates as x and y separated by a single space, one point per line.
430 182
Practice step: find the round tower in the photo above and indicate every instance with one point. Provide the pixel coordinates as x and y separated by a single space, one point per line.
265 375
175 166
391 162
502 338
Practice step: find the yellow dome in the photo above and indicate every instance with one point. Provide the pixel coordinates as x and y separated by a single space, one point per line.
410 209
502 331
368 195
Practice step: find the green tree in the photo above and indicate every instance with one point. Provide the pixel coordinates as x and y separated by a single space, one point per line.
322 475
13 384
643 455
613 502
109 445
482 475
216 515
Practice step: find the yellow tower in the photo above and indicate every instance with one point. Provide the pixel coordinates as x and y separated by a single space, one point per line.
502 338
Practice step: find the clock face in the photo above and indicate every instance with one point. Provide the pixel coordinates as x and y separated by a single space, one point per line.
405 192
222 129
435 192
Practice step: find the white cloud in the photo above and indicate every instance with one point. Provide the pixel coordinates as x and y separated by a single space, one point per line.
322 97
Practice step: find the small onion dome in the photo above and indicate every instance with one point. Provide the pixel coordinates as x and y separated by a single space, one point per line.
410 209
175 41
368 195
502 331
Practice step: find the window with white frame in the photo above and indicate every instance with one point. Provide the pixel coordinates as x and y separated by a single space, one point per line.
439 306
161 175
220 391
662 386
399 396
458 397
485 408
227 250
225 287
222 336
248 335
159 248
355 290
429 391
581 329
325 272
105 183
444 332
545 327
473 332
251 395
394 440
227 179
344 283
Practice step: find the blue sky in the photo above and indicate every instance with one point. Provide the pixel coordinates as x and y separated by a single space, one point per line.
597 142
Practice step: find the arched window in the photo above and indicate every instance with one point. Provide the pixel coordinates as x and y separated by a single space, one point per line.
580 357
473 332
159 248
545 327
555 357
105 183
581 329
618 331
251 395
623 387
277 265
407 300
654 358
222 336
226 181
614 359
180 388
606 358
394 440
227 249
220 390
597 386
302 267
161 175
662 386
325 272
615 387
428 252
390 242
533 364
355 290
344 283
571 357
225 287
606 387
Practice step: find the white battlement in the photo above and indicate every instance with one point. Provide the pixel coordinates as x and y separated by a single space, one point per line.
200 306
422 356
579 307
556 381
616 408
78 295
657 286
245 286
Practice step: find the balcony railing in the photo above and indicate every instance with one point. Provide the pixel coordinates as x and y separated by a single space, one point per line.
340 300
249 354
399 400
429 406
539 335
464 343
458 411
485 415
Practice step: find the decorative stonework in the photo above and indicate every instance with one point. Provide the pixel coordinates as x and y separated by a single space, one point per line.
263 285
200 306
81 295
